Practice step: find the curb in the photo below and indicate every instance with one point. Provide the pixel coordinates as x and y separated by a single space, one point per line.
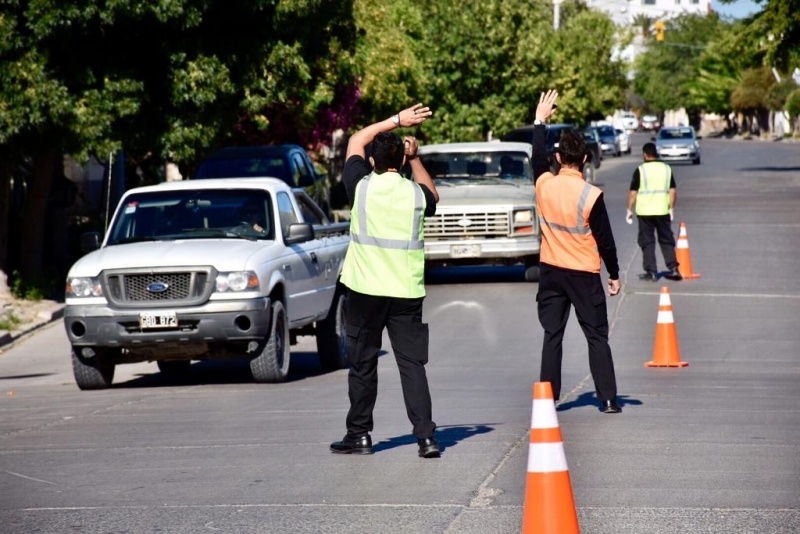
42 319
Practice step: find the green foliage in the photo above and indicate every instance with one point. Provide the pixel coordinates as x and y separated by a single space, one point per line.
667 74
793 104
29 289
750 94
777 94
9 321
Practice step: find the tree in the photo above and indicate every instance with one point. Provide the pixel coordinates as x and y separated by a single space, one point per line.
749 97
666 72
163 80
775 31
793 108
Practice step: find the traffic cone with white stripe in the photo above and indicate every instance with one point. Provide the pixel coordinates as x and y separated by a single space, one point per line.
549 505
683 255
665 348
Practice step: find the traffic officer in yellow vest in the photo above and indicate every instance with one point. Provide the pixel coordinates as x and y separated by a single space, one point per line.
652 191
576 235
384 273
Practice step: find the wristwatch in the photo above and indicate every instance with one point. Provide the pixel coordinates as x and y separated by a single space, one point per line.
537 122
396 119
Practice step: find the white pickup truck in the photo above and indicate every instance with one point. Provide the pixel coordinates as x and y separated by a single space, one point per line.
487 205
208 269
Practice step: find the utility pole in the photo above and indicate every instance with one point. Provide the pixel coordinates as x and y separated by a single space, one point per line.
556 13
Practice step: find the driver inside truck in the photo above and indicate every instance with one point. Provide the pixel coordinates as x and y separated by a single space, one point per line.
253 215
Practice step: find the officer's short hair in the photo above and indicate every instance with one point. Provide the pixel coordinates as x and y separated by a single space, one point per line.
571 147
649 150
387 152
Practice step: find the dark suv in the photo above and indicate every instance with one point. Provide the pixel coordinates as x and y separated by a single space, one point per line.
289 163
554 131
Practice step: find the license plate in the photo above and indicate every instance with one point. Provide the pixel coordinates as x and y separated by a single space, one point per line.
465 251
165 319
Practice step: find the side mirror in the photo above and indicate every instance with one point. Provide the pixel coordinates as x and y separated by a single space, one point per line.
699 137
90 241
299 233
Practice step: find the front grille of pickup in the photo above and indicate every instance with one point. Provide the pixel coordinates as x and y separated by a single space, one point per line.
460 224
157 288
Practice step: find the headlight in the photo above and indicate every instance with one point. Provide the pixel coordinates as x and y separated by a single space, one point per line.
523 216
84 287
523 222
236 281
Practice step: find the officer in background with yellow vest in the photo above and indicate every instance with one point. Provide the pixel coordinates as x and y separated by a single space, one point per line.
384 273
576 235
652 190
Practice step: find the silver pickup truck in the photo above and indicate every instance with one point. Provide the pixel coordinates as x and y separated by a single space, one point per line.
487 208
208 269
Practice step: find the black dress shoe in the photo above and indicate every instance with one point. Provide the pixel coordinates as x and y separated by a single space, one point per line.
674 275
611 406
649 277
348 445
428 448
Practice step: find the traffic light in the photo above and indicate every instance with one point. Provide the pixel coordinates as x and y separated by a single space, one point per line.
659 25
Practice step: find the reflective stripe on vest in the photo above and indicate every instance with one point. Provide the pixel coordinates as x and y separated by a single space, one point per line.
386 256
363 238
565 202
652 198
580 227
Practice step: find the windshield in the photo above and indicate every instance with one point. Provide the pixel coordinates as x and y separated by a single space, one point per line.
679 133
480 167
606 131
193 214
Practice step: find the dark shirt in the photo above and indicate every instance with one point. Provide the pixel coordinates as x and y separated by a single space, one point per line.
598 217
357 168
635 181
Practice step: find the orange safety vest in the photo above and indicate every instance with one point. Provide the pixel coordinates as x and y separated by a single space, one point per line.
565 202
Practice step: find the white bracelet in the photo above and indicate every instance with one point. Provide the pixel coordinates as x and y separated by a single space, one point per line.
396 119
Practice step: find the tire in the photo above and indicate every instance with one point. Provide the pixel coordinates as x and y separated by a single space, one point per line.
174 367
589 174
332 335
532 269
92 373
272 364
696 161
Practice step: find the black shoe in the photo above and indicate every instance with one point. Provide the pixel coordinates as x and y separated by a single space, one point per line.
649 277
348 445
611 406
428 448
674 275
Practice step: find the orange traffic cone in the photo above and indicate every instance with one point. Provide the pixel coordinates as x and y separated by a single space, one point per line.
683 255
549 505
665 348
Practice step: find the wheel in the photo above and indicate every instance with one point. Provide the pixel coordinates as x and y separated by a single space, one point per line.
332 335
589 174
532 269
174 367
96 372
696 161
272 363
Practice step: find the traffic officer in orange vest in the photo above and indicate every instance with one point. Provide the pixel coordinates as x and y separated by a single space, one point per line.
576 235
384 273
652 191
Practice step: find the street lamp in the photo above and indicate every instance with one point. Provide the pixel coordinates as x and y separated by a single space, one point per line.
556 13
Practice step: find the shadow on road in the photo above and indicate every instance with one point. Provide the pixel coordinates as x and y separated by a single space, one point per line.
589 399
447 436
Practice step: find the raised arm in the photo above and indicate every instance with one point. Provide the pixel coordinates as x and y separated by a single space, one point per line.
416 114
544 110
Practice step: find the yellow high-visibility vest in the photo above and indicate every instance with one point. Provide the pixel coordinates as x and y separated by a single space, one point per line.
652 198
386 256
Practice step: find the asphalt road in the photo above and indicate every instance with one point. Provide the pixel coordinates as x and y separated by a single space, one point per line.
710 448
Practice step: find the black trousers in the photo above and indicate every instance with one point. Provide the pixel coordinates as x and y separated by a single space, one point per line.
367 316
662 226
558 289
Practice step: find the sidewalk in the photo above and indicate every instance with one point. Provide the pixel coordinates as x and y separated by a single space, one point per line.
25 316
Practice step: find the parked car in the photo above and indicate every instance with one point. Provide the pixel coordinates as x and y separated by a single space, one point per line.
214 269
593 153
624 140
287 162
609 141
487 205
678 144
649 123
626 120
